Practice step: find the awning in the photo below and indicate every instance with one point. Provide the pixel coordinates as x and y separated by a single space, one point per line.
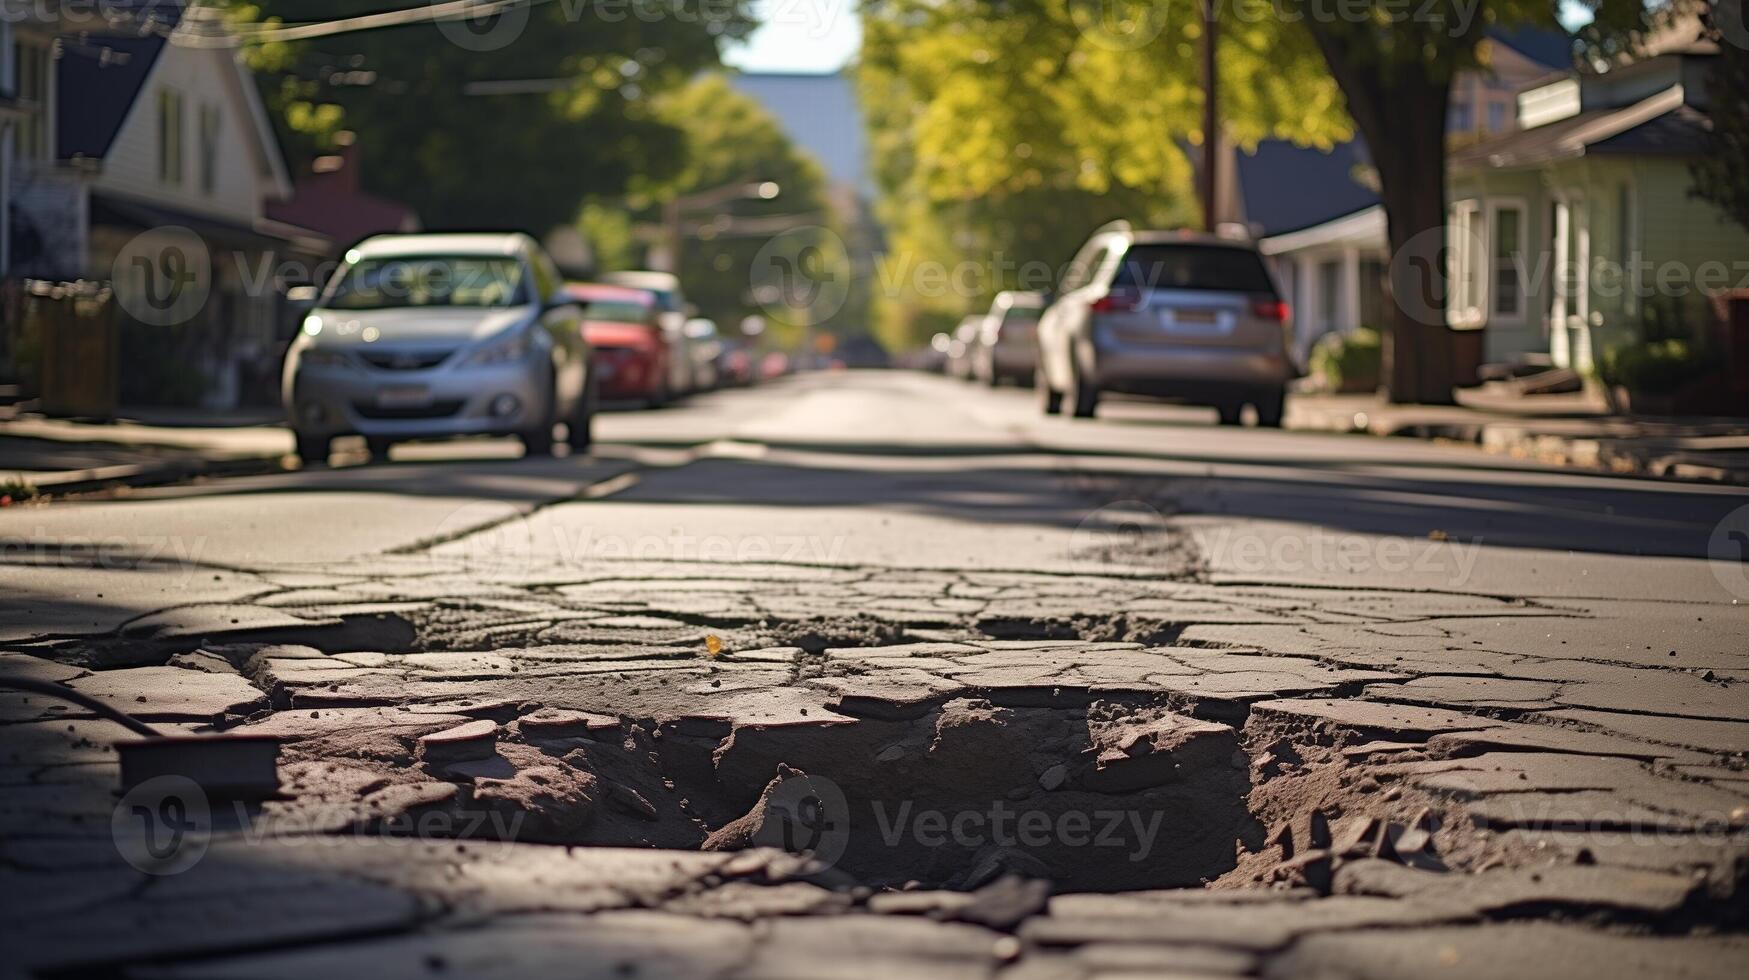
264 234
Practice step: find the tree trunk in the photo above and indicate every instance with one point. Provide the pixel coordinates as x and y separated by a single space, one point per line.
1399 106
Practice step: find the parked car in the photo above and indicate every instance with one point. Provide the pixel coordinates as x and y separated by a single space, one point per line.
735 363
775 364
623 325
704 346
1007 347
960 348
427 336
1169 314
671 301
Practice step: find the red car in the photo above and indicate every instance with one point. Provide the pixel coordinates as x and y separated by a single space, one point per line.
632 354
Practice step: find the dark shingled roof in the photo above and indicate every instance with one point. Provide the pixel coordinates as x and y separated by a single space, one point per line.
1680 130
1288 187
1539 44
99 78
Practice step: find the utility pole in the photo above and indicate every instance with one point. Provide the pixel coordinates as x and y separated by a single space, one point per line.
1210 123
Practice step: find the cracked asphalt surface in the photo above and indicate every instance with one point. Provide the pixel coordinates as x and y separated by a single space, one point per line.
1041 697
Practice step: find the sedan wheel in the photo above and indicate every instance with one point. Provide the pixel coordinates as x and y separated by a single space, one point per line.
313 450
1049 399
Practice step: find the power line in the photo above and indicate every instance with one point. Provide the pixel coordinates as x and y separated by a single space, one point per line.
213 34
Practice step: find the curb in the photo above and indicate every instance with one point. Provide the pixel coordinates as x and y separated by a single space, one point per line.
1654 459
69 482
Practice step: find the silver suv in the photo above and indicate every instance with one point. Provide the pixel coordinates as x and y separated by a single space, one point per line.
1168 314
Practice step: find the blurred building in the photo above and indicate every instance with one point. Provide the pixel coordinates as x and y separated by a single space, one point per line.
133 127
1317 212
331 201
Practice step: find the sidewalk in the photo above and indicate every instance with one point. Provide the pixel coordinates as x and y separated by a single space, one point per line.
60 456
1561 430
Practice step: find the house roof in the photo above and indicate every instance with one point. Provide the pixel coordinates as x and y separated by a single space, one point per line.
1659 125
1286 187
98 80
1550 48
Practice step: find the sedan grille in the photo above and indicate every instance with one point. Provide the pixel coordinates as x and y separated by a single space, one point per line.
405 360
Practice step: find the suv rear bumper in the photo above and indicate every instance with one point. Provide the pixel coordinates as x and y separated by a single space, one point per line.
1168 366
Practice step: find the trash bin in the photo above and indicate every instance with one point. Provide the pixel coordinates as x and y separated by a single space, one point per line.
76 322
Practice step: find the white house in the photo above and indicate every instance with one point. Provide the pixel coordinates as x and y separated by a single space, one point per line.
145 129
1333 268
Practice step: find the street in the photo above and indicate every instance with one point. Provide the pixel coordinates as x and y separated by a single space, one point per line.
1399 705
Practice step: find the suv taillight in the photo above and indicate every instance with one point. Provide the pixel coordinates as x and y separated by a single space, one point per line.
1270 309
1118 301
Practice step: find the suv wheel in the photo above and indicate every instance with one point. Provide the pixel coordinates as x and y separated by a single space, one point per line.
313 450
1269 405
1049 399
1232 411
1083 395
378 449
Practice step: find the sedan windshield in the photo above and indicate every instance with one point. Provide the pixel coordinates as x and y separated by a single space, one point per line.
618 310
430 280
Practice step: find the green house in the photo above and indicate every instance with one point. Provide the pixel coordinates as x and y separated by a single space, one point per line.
1564 232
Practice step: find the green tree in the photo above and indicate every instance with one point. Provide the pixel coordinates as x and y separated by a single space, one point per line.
1719 175
474 133
1012 128
727 140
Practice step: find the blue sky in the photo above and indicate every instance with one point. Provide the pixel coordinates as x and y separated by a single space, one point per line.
800 36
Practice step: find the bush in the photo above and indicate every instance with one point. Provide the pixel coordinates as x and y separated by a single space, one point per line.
1657 367
1349 362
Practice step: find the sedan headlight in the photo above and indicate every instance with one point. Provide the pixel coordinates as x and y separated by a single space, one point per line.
502 351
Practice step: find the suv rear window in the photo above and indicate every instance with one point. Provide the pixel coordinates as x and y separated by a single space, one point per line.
1214 267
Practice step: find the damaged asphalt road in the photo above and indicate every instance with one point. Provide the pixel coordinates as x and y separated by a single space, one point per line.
1042 698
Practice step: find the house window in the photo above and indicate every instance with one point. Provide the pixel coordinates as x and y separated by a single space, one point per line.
1496 117
8 63
209 148
1462 118
1506 248
1468 259
1330 293
169 136
30 69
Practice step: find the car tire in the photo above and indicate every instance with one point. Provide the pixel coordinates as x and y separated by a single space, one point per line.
313 450
538 441
378 449
1049 399
1270 405
1232 412
1082 396
580 430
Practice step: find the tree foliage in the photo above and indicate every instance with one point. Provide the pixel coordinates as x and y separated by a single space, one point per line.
727 139
433 131
1012 128
1722 175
